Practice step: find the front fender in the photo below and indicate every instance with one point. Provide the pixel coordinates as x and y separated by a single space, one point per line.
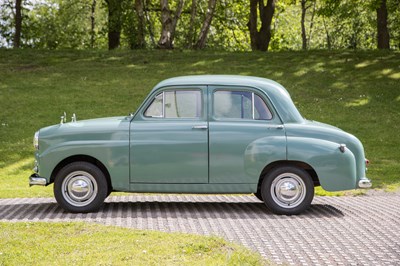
114 155
336 170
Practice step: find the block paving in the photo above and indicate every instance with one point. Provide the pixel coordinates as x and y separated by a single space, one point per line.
362 230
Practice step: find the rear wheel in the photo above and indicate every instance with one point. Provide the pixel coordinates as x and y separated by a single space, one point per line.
287 190
80 187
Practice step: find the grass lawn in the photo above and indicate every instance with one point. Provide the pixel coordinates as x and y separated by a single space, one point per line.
91 244
356 91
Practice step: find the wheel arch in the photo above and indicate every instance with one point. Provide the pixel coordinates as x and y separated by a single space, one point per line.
82 158
302 165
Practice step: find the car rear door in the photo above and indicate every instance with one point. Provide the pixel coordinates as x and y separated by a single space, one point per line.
245 134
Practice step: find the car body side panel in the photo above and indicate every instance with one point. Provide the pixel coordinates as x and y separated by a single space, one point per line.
107 144
168 152
113 154
240 150
263 152
336 170
321 131
193 188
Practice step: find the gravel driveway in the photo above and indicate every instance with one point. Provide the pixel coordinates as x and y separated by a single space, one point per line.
362 230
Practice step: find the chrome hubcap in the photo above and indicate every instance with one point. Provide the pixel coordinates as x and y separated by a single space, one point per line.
79 188
288 190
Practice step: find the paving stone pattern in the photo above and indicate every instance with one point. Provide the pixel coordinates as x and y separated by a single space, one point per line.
362 230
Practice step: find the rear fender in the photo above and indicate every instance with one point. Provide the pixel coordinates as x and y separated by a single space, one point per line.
336 170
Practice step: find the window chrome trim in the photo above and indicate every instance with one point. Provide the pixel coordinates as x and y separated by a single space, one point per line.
163 105
252 106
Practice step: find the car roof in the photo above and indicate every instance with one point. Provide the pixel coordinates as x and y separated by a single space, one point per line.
278 95
234 80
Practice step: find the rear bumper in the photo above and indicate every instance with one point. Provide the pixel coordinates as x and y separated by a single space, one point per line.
35 180
364 183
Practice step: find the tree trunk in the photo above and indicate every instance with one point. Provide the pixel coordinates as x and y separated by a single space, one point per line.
114 23
18 24
201 41
192 29
328 37
311 23
149 23
92 24
168 24
141 43
383 32
303 26
260 39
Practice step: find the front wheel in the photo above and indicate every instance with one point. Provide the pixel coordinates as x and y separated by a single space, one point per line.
287 190
80 187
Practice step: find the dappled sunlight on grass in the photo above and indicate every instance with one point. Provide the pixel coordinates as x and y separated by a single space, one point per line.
135 66
386 71
326 86
300 72
14 181
18 166
114 58
41 243
319 191
15 184
394 187
395 75
366 63
340 85
358 102
200 63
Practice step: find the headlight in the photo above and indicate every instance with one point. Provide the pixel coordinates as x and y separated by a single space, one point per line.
36 140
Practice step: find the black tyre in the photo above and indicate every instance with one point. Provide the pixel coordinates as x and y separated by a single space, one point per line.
287 190
80 187
258 195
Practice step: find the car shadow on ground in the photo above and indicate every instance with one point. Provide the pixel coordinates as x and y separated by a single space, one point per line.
157 209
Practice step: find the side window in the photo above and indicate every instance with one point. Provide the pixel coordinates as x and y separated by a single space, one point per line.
240 105
176 104
156 107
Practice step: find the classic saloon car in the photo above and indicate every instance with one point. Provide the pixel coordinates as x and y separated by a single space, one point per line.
201 134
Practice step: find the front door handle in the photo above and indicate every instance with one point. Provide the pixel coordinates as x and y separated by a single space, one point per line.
199 127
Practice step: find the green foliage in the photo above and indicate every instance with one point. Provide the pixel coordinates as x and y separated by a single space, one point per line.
56 24
86 244
229 27
394 23
337 24
356 91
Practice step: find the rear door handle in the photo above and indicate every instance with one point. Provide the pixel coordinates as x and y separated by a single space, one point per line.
199 127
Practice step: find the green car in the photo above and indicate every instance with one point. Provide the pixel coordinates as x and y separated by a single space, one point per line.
201 134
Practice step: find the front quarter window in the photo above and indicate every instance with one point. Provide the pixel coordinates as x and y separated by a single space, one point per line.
156 107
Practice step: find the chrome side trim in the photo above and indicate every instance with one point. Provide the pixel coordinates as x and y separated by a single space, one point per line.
364 183
35 180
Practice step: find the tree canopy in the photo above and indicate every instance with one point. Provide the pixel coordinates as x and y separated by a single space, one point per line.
242 25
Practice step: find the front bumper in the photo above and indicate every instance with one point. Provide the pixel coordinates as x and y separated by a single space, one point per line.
36 180
364 183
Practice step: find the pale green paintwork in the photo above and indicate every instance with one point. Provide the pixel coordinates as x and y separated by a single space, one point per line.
169 155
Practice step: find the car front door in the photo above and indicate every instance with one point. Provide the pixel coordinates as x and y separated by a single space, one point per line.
169 138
